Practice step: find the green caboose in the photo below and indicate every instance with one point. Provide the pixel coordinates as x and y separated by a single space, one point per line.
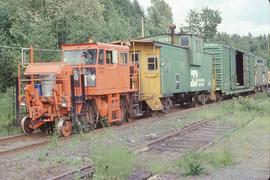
172 73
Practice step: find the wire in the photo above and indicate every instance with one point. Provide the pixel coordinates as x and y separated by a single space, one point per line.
20 48
10 47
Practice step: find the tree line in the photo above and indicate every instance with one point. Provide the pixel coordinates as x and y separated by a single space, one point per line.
47 24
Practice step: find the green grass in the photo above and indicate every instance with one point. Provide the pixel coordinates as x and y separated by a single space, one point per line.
7 115
111 159
219 158
196 163
112 162
191 164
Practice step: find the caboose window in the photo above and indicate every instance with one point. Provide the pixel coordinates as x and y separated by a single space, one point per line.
74 57
136 58
260 61
152 63
185 41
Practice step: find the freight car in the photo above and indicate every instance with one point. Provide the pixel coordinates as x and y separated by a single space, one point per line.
94 81
235 72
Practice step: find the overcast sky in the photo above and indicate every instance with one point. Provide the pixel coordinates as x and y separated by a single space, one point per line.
239 16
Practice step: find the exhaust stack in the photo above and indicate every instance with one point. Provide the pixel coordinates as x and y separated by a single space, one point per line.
172 28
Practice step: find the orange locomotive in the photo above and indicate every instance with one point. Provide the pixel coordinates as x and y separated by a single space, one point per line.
93 83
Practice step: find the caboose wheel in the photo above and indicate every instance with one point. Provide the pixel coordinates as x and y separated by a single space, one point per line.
64 127
25 125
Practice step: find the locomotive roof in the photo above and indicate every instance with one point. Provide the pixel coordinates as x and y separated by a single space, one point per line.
93 45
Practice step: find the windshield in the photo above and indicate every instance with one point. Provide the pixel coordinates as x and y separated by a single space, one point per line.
73 57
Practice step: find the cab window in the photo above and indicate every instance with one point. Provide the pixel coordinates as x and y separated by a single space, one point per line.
123 58
101 56
74 57
109 57
90 77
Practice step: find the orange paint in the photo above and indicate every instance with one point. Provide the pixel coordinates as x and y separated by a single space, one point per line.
105 83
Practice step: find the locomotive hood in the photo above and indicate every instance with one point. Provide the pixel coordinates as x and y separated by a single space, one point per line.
44 68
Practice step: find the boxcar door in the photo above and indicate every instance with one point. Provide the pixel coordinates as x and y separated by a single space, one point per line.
246 71
233 68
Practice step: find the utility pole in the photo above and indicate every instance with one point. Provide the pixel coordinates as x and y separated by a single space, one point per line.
143 26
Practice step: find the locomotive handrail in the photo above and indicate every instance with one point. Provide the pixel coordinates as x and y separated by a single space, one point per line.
24 64
23 59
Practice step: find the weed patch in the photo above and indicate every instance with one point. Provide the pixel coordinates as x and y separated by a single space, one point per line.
191 164
112 162
219 158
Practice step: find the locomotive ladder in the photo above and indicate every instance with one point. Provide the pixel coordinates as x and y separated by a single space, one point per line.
114 111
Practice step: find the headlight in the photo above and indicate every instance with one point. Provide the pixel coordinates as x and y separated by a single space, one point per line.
63 102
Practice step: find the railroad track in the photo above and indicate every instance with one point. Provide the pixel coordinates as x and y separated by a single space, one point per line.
197 136
192 137
202 132
82 173
173 143
20 143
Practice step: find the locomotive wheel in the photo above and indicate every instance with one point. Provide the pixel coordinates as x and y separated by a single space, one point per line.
25 125
88 118
64 127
